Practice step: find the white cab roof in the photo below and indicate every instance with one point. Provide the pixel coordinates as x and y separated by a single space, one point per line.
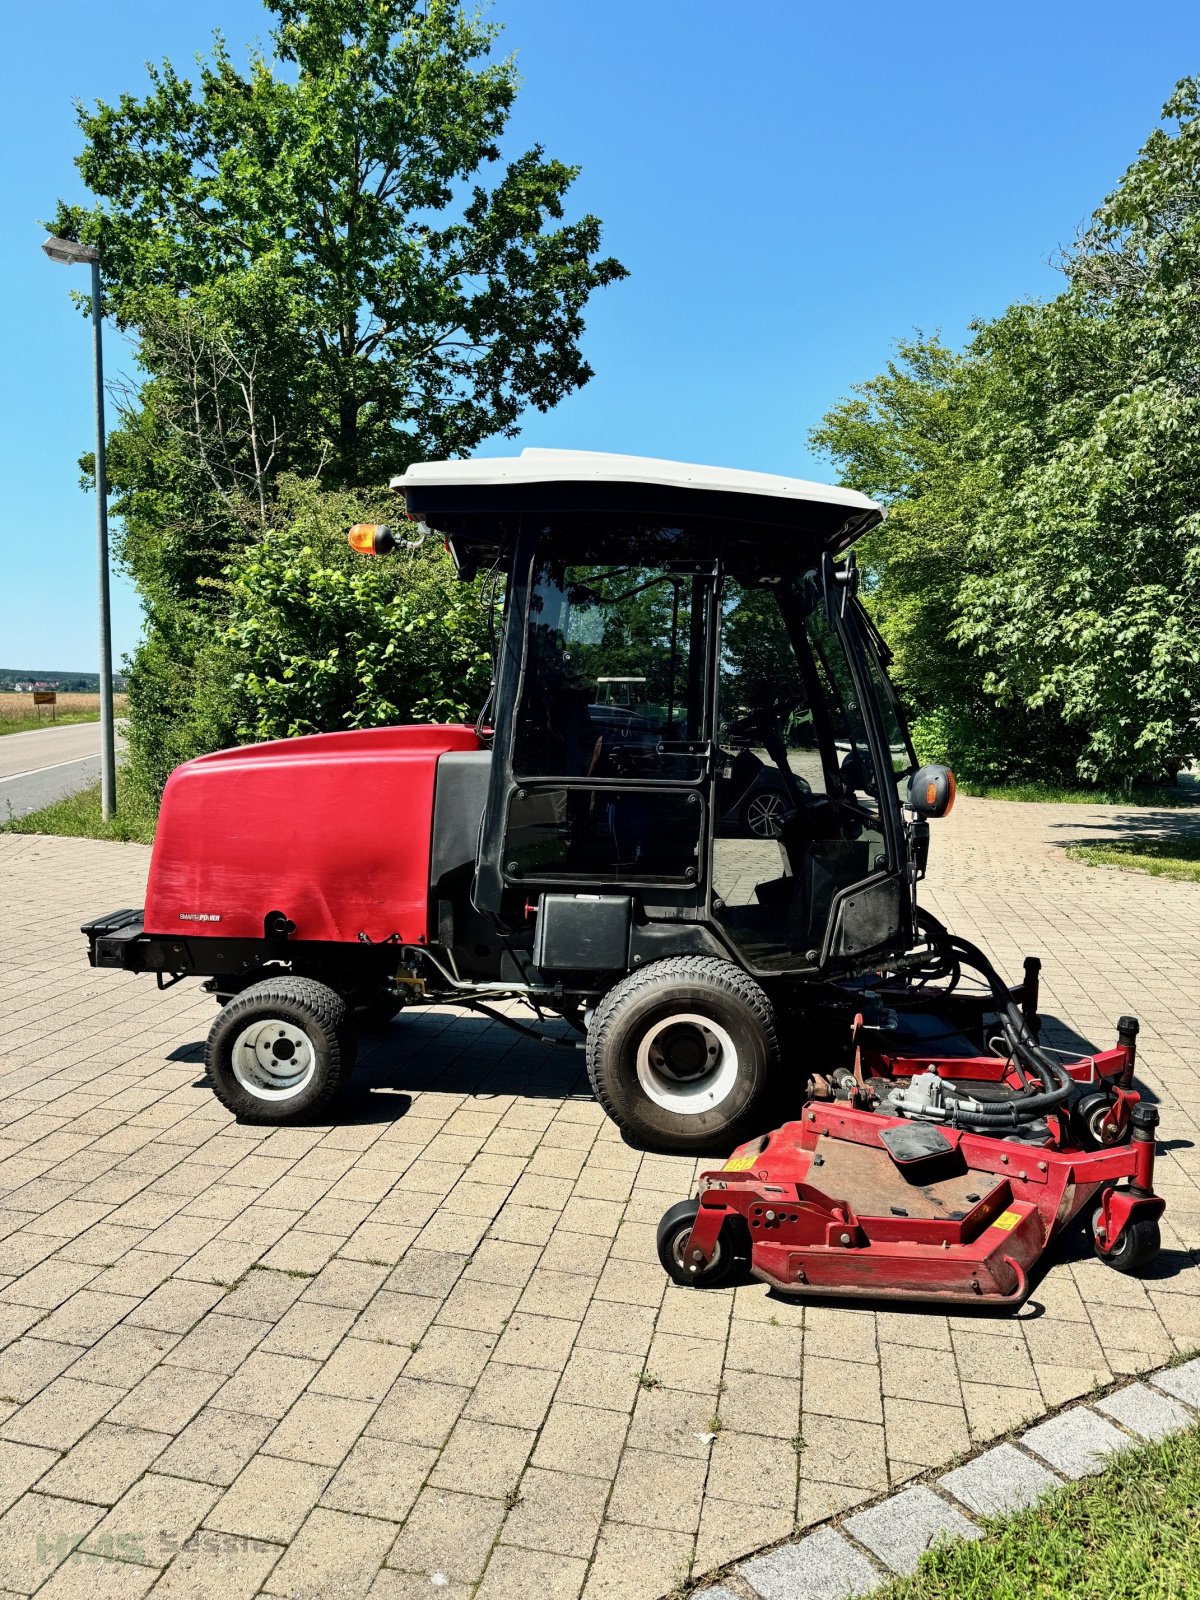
592 466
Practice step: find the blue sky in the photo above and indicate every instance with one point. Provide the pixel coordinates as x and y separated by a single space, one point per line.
792 184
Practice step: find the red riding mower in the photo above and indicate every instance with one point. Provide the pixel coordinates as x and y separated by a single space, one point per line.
686 821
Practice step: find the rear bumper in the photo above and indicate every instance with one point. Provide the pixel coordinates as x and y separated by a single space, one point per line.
120 940
117 940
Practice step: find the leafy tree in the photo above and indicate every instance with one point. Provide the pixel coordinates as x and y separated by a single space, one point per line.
1040 572
330 270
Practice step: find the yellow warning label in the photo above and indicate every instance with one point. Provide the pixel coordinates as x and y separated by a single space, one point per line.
1007 1220
739 1163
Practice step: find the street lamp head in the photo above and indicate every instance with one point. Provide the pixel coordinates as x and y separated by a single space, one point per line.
69 251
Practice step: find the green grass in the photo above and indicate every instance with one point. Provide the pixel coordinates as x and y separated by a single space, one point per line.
1133 1533
78 816
1185 793
1161 858
32 721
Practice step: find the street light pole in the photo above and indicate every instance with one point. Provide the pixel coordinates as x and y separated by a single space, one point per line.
71 253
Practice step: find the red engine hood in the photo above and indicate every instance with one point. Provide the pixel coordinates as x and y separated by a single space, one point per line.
332 829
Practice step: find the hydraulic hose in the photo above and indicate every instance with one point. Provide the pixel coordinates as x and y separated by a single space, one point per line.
1056 1082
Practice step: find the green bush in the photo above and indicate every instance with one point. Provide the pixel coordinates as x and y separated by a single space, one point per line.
325 638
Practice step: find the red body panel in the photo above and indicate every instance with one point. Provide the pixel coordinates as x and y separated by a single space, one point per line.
332 829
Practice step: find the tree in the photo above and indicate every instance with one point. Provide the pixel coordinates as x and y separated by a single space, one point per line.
1040 573
335 192
330 271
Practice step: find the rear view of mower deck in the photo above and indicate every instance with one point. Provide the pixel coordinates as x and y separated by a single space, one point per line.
940 1177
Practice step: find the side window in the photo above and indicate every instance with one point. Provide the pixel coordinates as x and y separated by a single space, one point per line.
765 727
614 674
849 765
795 821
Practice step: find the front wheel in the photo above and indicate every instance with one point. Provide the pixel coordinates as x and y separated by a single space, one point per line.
1138 1243
682 1052
765 812
281 1050
730 1255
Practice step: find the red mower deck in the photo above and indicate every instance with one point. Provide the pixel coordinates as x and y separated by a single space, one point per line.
850 1202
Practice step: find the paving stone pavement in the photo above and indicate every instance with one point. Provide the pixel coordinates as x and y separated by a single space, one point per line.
431 1347
856 1559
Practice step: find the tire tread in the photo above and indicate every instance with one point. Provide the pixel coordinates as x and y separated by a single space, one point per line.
737 983
325 1004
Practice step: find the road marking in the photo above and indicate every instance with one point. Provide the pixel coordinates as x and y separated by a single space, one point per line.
53 727
75 761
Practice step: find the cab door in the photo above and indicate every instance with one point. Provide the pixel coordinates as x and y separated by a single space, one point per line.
607 787
792 699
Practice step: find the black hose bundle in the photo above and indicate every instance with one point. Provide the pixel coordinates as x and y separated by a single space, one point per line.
1056 1082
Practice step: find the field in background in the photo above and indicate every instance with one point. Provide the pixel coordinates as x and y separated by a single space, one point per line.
18 714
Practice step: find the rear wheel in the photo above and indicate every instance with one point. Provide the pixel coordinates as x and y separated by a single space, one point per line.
281 1050
681 1053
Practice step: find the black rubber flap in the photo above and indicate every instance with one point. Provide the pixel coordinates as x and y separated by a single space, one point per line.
915 1141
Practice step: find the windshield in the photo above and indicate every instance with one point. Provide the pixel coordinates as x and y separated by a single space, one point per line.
895 728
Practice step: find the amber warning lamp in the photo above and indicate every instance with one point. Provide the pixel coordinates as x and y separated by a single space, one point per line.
931 791
371 538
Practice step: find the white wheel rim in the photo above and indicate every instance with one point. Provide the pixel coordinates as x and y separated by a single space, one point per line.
273 1059
687 1064
764 815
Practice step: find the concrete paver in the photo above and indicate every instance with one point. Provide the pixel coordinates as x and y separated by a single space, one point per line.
823 1566
329 1325
998 1482
1076 1443
1144 1411
1183 1382
903 1527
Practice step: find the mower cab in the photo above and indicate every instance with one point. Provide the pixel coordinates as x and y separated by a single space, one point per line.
688 821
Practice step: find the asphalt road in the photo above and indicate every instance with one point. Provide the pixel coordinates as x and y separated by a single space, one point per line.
39 767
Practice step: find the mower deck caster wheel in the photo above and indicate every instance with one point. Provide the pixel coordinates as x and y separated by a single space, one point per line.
731 1255
1088 1116
1137 1245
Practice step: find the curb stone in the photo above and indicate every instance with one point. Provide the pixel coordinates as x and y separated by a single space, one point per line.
886 1540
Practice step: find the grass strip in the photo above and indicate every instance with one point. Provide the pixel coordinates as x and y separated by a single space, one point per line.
1161 858
77 816
1185 793
1132 1533
32 723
